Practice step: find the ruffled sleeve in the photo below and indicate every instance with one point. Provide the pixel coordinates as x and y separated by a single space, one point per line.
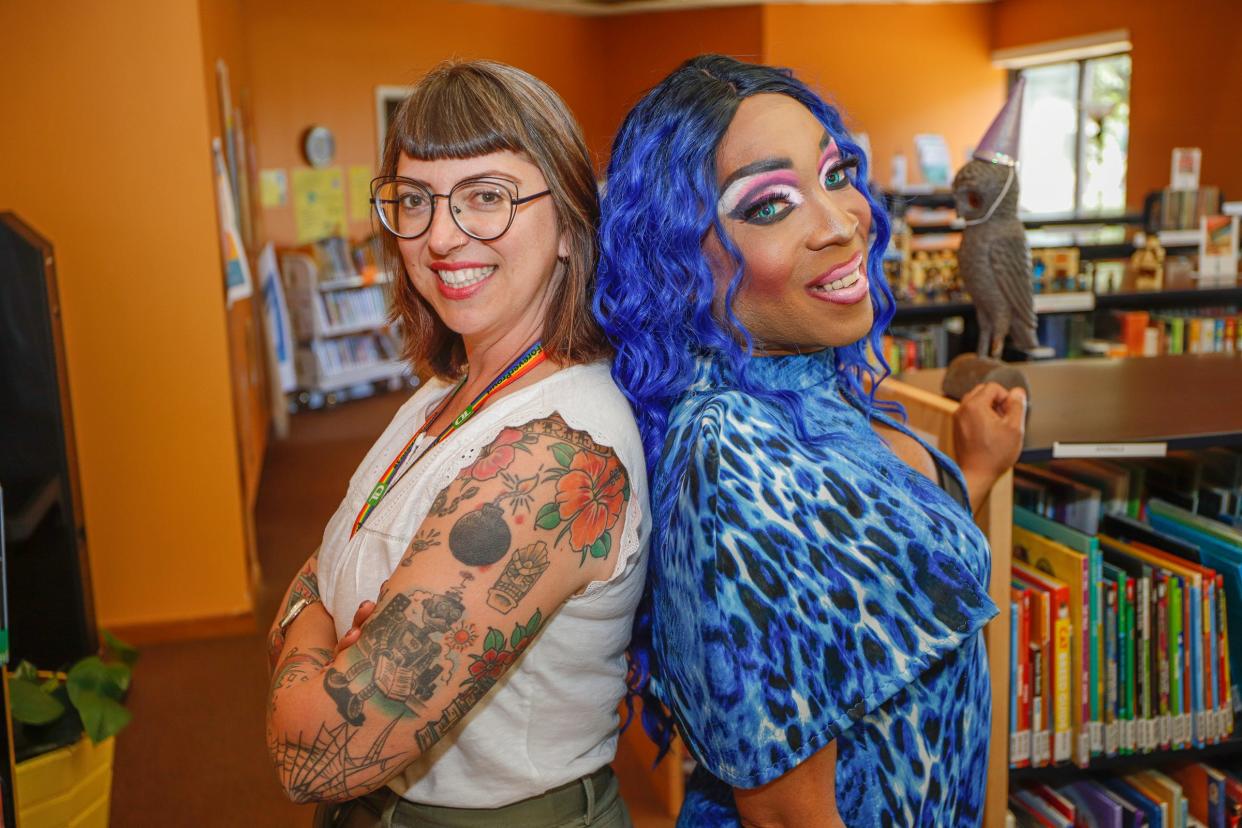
793 597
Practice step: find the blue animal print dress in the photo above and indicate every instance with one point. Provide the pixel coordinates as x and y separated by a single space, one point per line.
812 591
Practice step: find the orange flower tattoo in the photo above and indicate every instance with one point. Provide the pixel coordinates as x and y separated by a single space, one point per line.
590 495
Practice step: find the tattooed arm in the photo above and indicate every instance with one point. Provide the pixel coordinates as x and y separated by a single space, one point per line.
530 523
305 585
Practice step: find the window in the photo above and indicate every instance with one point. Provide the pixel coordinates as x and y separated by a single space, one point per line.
1075 136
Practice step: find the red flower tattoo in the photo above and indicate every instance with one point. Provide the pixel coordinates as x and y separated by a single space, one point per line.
496 457
491 664
590 494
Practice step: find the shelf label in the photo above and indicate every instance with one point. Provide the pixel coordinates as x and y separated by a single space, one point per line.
1076 450
1083 300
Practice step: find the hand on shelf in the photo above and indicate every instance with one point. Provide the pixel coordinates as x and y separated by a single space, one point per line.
988 430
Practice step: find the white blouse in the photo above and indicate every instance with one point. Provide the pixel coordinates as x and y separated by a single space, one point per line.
553 717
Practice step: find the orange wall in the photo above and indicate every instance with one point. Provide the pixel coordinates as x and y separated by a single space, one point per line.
319 61
1186 82
895 71
116 126
640 49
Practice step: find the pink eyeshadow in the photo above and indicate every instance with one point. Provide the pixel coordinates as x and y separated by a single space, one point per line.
769 180
831 152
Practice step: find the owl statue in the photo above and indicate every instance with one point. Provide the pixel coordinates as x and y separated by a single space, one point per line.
995 260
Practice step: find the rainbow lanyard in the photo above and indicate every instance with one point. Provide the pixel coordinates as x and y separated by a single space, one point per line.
519 368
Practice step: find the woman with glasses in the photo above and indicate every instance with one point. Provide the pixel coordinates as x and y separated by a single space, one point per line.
817 585
499 523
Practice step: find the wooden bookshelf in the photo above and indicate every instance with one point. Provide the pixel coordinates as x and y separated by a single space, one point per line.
1188 401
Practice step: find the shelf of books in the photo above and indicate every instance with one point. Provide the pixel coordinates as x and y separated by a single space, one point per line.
339 306
1115 657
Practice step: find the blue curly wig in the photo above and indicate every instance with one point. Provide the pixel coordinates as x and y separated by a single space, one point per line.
654 286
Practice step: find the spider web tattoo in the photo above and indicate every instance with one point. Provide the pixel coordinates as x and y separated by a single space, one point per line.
325 769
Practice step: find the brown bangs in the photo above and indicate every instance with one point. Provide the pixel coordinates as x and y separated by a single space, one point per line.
458 114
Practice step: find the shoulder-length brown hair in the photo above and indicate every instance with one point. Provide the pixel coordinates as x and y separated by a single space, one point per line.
467 109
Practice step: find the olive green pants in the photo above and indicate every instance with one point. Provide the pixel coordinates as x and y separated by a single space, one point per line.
590 801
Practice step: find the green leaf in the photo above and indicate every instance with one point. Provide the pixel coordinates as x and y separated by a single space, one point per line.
532 626
549 517
120 674
26 671
102 716
30 705
92 675
519 632
127 653
495 640
51 684
564 453
602 546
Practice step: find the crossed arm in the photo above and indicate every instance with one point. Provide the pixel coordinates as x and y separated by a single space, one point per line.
530 523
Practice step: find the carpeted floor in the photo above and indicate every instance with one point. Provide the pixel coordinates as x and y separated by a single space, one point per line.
194 754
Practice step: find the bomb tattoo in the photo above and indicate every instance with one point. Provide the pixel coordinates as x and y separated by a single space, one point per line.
519 575
481 537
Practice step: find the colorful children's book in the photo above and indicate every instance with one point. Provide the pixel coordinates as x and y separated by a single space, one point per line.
1140 573
1194 615
1089 546
1111 670
1040 634
1020 692
1204 789
1061 628
1124 719
1074 569
1156 816
1168 791
1095 804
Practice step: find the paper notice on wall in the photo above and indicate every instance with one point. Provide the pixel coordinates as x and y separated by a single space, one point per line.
236 267
276 314
360 193
273 188
933 155
318 203
1184 174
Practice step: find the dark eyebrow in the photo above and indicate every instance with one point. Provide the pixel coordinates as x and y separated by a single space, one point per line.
824 142
765 165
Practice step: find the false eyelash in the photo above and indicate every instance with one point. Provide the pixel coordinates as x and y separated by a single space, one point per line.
843 164
786 193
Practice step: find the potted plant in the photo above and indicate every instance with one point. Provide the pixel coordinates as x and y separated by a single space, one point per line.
63 729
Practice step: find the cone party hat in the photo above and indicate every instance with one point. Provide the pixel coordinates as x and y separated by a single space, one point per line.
1000 142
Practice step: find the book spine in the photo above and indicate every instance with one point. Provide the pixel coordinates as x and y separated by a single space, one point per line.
1062 730
1226 678
1111 696
1161 659
1015 688
1096 585
1177 689
1146 737
1024 664
1195 665
1211 695
1128 728
1082 680
1216 800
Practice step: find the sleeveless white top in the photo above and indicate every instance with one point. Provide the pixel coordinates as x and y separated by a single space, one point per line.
553 717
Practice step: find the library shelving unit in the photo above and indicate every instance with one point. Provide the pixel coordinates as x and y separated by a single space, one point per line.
1106 408
340 323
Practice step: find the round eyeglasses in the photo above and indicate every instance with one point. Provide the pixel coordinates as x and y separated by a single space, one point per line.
483 208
